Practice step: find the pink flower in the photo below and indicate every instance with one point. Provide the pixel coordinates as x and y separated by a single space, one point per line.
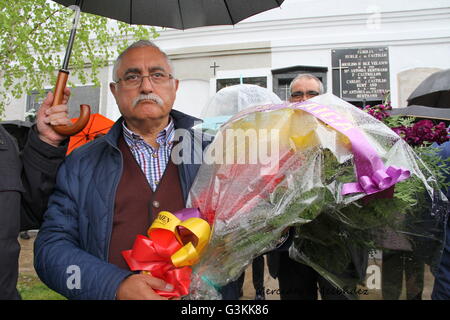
421 132
378 111
401 131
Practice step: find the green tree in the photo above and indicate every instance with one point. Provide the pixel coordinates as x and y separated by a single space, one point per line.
33 38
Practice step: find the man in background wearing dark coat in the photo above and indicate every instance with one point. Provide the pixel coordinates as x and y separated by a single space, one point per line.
441 289
26 181
298 281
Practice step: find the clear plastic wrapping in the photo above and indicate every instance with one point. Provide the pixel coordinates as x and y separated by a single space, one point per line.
271 171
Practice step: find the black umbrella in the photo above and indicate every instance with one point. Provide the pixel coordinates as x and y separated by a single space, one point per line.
164 13
176 14
431 98
434 91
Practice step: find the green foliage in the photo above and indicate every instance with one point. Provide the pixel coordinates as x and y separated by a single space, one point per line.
33 38
398 121
327 239
432 162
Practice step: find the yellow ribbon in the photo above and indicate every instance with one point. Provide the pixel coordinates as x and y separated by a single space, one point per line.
190 253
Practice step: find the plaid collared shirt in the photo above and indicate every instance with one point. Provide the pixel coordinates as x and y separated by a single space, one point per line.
153 162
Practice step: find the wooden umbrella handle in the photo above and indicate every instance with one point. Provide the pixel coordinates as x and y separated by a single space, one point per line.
85 110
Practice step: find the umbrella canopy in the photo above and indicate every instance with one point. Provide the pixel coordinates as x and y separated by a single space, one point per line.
434 91
431 98
174 13
228 101
18 129
97 126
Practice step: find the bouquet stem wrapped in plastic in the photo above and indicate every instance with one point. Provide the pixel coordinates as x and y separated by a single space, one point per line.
341 177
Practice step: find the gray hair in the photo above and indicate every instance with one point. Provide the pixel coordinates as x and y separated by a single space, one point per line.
138 44
307 76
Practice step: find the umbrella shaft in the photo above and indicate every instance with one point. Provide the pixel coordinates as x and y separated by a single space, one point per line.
78 5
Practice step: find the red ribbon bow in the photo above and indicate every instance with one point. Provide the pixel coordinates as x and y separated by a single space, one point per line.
153 254
160 254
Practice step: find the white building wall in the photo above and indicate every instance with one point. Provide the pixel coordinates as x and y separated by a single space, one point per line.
192 95
302 32
111 110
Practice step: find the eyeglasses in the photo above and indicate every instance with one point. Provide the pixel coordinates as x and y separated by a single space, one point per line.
301 94
134 80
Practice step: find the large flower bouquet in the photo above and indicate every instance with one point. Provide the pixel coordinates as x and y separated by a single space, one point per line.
413 220
335 173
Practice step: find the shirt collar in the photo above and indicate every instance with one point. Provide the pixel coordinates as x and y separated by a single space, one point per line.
164 136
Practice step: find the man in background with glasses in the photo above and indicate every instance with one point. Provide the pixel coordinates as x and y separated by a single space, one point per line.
298 281
112 189
304 87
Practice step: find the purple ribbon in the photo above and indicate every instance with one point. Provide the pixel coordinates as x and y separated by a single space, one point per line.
187 213
372 174
380 180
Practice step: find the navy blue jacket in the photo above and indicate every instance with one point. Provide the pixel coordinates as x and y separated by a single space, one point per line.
71 249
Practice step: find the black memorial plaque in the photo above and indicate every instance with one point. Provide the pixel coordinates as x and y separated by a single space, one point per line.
360 73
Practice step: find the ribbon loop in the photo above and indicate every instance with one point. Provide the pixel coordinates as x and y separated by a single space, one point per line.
186 256
380 180
169 251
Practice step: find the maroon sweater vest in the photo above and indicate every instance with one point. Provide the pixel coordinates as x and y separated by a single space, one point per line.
136 205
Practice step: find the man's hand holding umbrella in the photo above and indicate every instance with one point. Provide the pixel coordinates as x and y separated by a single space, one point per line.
49 116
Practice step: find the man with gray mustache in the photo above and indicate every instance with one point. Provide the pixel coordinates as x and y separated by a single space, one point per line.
111 189
152 97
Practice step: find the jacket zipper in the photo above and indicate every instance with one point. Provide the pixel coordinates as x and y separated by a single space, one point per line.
111 215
